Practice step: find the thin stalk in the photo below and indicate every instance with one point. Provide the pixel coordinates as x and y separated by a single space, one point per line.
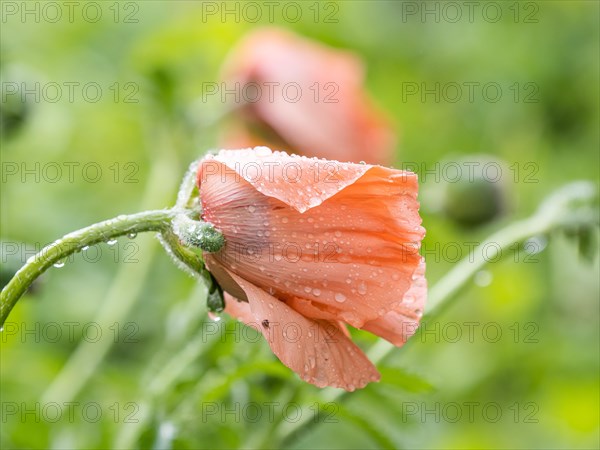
73 242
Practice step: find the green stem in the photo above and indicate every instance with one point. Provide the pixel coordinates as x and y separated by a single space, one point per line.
74 242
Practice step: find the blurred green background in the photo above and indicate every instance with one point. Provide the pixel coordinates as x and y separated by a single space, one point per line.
121 331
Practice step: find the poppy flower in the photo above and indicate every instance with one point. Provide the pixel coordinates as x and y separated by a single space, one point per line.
305 97
310 246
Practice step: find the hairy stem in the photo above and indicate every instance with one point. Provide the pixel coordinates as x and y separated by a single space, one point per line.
73 242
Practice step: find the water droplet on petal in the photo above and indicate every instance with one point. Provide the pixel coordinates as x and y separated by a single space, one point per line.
314 201
339 297
251 208
316 292
362 288
307 289
285 220
338 233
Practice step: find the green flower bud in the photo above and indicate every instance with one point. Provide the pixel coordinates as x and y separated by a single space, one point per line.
195 233
476 194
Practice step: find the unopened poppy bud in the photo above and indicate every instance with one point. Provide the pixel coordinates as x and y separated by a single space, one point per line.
194 233
478 194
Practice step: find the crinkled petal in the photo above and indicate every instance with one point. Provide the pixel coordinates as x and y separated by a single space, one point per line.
318 351
300 182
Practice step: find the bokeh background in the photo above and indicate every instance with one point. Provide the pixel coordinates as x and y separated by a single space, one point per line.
115 350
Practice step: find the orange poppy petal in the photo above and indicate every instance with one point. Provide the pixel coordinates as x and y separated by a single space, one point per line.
300 182
318 351
401 323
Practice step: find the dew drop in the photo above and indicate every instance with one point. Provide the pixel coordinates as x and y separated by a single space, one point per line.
338 233
251 208
483 278
285 220
59 264
362 288
316 292
339 297
214 317
132 235
307 289
111 242
314 201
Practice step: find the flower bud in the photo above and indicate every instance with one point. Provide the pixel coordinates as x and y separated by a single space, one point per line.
477 194
194 233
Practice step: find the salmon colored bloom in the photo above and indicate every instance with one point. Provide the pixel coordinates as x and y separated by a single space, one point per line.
312 245
304 97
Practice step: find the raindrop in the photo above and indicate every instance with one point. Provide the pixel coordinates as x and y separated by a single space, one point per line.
316 292
111 241
362 288
535 245
314 201
483 278
132 235
340 298
214 317
307 289
59 264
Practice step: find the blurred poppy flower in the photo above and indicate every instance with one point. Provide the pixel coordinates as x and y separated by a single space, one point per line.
312 245
304 97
